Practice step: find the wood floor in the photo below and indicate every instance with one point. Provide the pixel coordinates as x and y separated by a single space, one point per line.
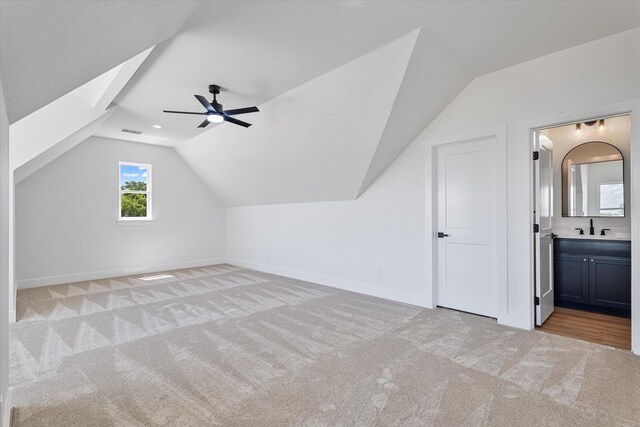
594 327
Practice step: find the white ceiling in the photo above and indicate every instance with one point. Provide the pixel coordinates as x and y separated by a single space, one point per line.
259 50
271 53
52 130
49 48
312 143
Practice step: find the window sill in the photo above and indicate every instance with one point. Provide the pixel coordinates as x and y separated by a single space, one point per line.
142 221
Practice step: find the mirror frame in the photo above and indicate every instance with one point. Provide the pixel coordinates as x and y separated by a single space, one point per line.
564 189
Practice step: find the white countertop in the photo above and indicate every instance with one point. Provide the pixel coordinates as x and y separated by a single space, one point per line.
612 236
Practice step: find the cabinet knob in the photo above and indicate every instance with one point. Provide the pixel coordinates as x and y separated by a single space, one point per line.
585 260
591 259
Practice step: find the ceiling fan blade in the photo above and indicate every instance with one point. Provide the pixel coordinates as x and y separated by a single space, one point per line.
241 111
182 112
204 124
205 103
236 121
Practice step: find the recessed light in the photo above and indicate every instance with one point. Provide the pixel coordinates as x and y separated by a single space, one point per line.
156 126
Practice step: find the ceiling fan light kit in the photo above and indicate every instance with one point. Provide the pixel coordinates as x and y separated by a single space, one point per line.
215 112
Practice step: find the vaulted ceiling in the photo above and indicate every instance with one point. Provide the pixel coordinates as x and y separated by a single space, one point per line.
49 48
343 87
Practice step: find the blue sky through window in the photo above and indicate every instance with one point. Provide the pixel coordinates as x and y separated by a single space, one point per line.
134 173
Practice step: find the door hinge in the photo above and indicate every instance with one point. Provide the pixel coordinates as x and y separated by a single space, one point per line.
536 228
536 300
536 155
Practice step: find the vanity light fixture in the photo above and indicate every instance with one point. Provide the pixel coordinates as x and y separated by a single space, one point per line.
594 125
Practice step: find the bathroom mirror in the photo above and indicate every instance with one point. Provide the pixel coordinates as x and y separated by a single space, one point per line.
592 181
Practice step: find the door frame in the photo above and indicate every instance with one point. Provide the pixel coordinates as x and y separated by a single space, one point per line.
500 135
525 133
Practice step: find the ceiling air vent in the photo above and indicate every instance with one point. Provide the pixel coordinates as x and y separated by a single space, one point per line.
134 131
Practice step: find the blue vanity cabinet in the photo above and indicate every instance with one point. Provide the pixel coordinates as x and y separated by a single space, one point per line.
593 275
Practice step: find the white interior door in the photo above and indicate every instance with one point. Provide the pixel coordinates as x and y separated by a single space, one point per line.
466 219
543 194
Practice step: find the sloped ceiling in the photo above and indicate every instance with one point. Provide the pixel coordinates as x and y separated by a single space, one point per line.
425 89
49 48
311 143
289 59
52 130
281 56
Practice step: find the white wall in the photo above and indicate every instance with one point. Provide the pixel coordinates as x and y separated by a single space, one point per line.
349 241
6 259
66 217
344 244
558 83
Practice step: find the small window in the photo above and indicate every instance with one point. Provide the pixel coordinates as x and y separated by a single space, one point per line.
135 191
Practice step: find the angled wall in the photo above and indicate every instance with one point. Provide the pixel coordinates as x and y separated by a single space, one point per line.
344 244
313 143
434 77
49 132
49 48
67 225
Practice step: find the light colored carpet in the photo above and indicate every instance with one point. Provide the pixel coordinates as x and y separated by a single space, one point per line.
232 347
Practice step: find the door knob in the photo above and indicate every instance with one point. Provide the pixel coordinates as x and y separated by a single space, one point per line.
441 235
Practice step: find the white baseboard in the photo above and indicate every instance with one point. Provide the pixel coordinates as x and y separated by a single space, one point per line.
334 282
107 274
7 406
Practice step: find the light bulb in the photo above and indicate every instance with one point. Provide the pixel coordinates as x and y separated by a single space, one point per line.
578 128
215 118
601 125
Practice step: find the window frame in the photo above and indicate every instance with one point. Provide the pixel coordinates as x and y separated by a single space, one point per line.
601 209
148 193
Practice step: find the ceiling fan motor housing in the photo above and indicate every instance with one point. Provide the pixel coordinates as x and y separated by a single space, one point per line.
215 90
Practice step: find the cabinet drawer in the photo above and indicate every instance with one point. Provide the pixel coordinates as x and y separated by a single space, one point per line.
608 248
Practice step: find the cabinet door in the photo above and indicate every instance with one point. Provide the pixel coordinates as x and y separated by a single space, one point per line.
571 279
610 282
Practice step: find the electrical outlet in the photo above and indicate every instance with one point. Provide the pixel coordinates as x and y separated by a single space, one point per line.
379 272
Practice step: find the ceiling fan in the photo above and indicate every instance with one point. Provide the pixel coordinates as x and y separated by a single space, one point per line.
215 113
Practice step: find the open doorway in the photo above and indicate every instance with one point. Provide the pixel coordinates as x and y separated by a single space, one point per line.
582 226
